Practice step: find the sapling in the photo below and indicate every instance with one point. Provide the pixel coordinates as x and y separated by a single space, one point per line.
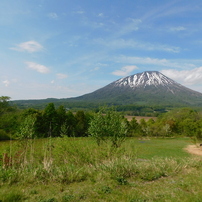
108 125
25 134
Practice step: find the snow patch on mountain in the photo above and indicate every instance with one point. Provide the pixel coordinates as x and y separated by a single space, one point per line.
144 79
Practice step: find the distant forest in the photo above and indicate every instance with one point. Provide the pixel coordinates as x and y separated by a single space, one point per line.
75 105
57 121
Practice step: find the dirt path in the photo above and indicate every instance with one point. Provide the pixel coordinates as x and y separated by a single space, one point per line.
194 149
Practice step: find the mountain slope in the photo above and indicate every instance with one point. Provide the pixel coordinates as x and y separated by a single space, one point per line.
150 87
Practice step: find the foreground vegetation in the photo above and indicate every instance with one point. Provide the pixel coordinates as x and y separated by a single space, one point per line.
76 169
57 155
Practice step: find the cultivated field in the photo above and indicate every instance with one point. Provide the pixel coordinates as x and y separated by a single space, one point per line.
138 118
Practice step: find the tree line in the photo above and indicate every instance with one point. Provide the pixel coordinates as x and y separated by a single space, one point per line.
58 122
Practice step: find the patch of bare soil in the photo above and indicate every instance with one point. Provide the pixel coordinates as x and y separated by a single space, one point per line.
194 149
138 118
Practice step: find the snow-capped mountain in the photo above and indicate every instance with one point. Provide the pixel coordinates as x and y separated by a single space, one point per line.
150 87
145 79
148 79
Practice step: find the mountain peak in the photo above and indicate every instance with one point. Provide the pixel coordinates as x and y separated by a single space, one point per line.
149 87
147 78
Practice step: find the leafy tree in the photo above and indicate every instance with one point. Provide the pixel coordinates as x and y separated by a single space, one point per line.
185 121
189 127
61 114
50 121
27 130
70 124
82 123
108 125
4 101
61 119
134 127
143 126
39 122
9 117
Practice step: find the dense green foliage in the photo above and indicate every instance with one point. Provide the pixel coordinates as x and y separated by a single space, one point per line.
59 121
50 122
75 105
108 125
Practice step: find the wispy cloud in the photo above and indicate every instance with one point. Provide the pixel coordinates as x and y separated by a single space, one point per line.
177 29
158 62
168 9
95 69
122 43
6 83
53 15
38 67
29 46
187 77
61 76
79 12
100 15
128 27
125 71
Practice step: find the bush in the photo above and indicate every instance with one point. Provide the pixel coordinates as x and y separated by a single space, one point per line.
4 135
108 125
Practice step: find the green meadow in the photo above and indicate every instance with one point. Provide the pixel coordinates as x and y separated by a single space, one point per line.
77 169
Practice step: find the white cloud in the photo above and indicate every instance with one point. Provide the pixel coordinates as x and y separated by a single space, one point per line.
177 29
122 43
29 46
61 76
100 15
53 15
158 62
95 69
125 70
187 77
80 12
133 25
6 83
39 68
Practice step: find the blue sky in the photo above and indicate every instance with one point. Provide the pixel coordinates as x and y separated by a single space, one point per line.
63 48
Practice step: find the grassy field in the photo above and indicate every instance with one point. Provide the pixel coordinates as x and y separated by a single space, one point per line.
76 169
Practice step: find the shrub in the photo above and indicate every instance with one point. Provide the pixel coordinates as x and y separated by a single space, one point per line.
108 125
4 135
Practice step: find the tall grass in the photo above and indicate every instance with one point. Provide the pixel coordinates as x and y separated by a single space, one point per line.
66 161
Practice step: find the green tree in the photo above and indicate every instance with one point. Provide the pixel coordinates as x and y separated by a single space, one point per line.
27 129
82 123
134 127
61 120
50 125
70 124
143 126
4 104
183 121
108 125
61 114
9 118
39 122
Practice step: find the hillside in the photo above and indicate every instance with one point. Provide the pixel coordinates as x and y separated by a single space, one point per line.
150 88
